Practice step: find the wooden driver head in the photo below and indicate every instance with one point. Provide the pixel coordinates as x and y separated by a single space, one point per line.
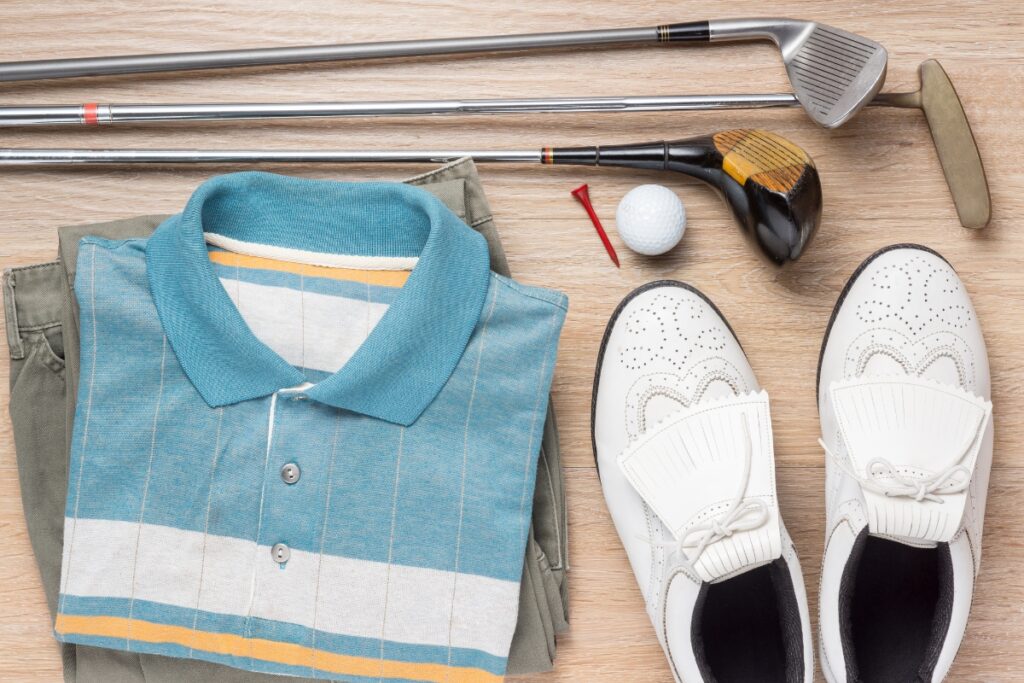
773 188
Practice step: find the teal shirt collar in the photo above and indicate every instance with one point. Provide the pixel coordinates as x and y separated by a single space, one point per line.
409 355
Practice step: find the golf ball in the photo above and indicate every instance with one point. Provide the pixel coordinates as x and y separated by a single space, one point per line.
651 219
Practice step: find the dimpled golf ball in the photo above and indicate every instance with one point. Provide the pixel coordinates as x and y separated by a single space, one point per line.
651 219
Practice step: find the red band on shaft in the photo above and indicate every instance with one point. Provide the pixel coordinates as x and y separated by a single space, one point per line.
90 114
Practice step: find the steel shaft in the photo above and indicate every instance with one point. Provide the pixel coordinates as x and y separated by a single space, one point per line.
60 157
99 114
190 61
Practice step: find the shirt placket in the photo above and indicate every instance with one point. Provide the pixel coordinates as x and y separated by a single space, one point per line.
289 473
290 526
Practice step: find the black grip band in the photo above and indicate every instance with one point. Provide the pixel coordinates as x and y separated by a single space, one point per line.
650 155
689 32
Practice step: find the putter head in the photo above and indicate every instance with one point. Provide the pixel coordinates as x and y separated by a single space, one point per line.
955 144
954 141
834 72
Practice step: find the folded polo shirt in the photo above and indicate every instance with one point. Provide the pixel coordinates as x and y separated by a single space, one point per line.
306 436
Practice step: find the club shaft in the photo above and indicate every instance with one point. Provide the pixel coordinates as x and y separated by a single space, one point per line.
62 157
190 61
105 114
101 114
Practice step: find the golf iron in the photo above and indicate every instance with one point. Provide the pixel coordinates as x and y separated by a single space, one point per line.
833 72
770 184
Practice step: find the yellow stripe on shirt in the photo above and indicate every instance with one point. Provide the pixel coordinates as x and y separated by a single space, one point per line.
384 278
267 650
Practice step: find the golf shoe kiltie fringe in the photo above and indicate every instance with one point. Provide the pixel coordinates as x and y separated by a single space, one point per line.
682 469
906 425
683 440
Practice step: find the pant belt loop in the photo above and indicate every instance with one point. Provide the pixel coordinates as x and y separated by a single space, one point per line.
11 314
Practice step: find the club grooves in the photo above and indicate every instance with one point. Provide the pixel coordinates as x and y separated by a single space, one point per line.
827 64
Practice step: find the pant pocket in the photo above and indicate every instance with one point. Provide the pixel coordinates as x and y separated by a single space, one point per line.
33 309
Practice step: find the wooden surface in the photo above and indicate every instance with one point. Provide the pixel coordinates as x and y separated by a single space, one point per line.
881 181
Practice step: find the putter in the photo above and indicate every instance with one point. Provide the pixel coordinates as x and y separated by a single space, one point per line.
951 132
833 72
770 184
954 141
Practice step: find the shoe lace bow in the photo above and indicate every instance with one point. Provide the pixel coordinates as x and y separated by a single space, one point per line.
883 478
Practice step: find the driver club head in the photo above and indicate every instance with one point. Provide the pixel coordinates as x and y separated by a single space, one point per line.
772 186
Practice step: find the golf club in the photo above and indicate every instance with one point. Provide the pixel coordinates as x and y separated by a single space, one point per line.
953 139
951 131
770 184
833 72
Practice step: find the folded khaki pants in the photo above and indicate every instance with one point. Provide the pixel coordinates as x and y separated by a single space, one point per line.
42 333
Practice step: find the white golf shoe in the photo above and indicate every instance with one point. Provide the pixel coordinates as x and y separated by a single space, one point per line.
904 400
683 441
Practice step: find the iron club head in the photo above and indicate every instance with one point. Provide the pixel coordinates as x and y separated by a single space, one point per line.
833 72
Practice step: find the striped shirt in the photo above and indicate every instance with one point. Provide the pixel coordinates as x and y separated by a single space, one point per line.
306 436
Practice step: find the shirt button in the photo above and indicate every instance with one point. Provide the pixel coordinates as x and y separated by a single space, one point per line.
290 473
280 553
